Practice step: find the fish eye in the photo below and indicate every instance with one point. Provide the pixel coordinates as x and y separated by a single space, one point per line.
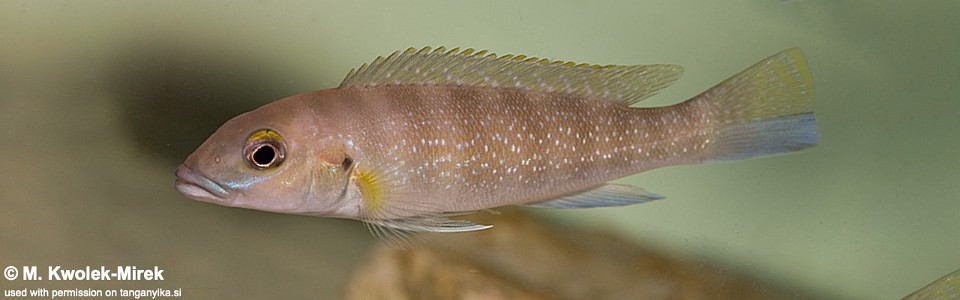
263 156
265 149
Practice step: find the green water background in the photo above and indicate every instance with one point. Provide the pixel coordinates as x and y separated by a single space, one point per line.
100 100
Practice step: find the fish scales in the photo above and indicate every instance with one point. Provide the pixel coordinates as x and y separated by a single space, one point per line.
410 139
482 147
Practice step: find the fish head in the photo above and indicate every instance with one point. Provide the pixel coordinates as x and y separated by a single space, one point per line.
270 159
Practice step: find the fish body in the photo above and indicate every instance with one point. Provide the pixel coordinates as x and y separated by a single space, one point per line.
412 138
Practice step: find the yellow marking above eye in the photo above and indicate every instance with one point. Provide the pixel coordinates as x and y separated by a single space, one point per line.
265 135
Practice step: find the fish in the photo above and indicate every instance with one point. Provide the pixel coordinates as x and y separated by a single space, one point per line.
947 287
408 142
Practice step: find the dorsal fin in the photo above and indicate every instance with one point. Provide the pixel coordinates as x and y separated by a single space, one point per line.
621 84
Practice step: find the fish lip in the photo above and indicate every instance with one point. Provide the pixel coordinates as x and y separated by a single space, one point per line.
195 185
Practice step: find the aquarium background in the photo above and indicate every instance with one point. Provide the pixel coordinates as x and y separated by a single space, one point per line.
101 100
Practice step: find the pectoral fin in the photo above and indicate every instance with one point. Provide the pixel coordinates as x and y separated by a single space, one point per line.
602 196
396 223
433 223
402 233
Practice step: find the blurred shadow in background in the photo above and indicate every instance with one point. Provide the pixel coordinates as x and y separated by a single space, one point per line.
172 98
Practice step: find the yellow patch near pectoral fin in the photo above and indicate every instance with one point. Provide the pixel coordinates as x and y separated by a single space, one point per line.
371 188
624 85
398 223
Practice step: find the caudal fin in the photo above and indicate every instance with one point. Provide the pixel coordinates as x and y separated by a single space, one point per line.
766 109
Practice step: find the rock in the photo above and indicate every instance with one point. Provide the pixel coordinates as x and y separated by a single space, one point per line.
525 257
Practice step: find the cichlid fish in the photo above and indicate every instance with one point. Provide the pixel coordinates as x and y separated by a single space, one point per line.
409 140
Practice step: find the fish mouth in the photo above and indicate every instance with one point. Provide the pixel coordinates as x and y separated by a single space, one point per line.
198 187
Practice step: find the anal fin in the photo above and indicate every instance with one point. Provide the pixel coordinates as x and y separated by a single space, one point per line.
601 196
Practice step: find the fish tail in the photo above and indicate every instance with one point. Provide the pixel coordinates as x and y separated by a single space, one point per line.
766 109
